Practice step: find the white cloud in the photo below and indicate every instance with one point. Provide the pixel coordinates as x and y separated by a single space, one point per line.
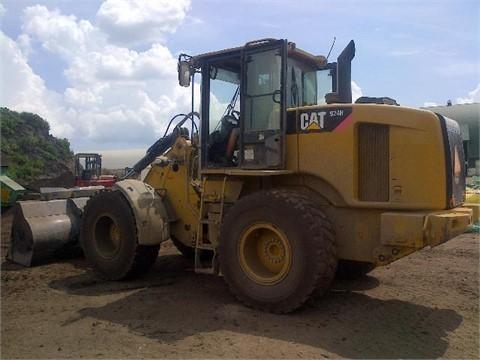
2 10
473 97
26 91
141 21
117 159
356 91
114 94
115 63
60 34
195 20
24 42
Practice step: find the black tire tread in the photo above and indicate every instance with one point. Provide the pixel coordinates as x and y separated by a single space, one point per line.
144 256
322 239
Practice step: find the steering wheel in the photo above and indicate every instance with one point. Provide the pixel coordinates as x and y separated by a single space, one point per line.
235 114
230 120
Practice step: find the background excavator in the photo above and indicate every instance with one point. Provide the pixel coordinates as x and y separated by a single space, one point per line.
278 183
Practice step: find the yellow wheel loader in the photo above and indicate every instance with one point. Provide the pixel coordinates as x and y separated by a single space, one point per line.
281 181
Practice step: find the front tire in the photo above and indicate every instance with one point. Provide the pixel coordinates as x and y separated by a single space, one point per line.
109 238
277 250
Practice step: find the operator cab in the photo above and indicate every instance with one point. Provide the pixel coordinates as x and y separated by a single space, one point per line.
246 92
88 166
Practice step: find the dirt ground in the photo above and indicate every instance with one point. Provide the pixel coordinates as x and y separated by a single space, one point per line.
423 306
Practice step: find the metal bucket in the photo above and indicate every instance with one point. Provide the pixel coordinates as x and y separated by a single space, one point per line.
43 229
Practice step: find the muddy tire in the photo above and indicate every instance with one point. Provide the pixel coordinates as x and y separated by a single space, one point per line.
277 250
109 238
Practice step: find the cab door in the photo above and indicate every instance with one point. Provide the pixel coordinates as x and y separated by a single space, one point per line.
262 123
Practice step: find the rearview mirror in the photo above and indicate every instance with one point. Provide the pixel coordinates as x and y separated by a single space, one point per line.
184 73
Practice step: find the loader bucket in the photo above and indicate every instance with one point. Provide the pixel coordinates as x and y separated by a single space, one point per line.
43 229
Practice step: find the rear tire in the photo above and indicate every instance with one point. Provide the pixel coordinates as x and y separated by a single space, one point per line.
277 250
109 238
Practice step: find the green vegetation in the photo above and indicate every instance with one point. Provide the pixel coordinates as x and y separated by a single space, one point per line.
28 148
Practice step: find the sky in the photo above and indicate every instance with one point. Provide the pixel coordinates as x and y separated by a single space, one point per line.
103 73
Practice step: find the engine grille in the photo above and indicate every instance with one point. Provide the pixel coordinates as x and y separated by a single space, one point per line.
373 162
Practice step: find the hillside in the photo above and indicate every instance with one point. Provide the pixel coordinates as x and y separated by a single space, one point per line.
33 156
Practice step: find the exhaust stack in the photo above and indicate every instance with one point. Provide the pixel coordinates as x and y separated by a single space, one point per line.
343 93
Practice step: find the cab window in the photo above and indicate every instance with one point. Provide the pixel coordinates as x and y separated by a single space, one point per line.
223 119
305 85
262 104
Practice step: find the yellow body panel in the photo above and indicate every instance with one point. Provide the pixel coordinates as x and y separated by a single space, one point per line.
439 227
175 184
417 170
327 164
475 211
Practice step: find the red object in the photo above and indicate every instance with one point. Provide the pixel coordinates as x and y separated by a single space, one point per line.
88 171
104 180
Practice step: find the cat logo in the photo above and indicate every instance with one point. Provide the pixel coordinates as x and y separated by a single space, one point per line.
319 120
314 120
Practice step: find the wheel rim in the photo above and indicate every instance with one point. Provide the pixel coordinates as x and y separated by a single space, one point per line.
107 236
265 254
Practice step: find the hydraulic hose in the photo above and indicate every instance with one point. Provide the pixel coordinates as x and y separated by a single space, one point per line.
162 144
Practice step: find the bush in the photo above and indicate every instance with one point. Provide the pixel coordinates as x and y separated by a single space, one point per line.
29 148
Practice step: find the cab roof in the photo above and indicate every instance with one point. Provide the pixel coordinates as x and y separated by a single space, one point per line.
317 61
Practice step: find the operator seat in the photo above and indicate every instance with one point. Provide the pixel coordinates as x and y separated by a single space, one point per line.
232 143
223 141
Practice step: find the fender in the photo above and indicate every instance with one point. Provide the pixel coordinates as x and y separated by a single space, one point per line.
150 213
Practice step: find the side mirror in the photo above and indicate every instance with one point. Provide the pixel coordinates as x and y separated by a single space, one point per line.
184 73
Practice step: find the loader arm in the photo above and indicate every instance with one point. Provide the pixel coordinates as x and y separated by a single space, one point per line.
157 149
43 228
